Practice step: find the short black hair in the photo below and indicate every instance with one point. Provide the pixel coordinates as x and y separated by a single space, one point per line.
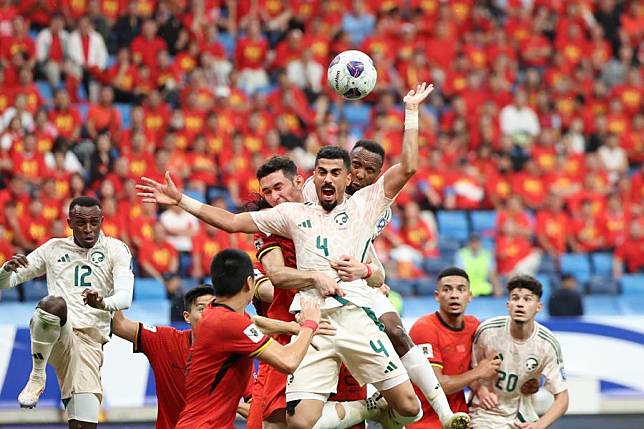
255 203
452 271
371 146
334 152
277 163
84 201
229 270
524 281
191 296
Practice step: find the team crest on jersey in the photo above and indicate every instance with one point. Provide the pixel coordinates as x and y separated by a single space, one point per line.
97 257
253 333
427 350
150 328
259 242
531 363
341 219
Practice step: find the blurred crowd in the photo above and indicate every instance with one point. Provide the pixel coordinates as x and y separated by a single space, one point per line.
537 115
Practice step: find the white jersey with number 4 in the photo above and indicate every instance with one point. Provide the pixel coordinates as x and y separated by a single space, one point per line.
70 269
539 355
321 236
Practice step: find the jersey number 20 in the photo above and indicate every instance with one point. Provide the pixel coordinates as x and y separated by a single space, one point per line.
80 276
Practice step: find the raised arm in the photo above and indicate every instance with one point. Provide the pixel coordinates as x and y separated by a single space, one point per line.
21 268
397 176
168 194
124 327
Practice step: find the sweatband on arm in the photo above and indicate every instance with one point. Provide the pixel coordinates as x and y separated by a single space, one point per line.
122 297
190 205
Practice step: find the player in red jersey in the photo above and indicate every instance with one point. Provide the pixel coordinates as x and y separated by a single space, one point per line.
167 350
445 337
220 360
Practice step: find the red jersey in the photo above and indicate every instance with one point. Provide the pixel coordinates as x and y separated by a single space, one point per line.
167 350
446 348
219 366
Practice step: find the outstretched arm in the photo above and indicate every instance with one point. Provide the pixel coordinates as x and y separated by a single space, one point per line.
397 176
168 194
124 327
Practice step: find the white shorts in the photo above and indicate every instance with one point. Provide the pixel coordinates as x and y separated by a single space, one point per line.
77 358
360 344
381 305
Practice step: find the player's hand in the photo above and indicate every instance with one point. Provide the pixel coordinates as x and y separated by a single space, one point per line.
384 289
349 268
487 398
92 298
530 387
18 261
327 286
310 309
414 98
154 192
489 367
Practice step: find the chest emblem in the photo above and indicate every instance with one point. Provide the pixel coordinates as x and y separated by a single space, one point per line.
97 257
341 218
531 363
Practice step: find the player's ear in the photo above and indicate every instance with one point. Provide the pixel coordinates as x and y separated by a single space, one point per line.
298 181
186 316
250 283
539 306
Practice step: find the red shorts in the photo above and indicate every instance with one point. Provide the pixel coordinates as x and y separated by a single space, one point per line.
274 396
254 420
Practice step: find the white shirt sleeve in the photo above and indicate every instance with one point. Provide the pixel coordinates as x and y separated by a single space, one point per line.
123 278
37 266
275 220
372 198
310 195
553 370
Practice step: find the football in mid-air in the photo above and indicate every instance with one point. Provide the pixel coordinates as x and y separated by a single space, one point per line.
352 74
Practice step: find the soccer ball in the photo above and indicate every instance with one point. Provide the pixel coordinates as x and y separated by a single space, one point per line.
352 74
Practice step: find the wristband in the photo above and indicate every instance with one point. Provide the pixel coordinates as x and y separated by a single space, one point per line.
411 119
369 272
309 324
190 204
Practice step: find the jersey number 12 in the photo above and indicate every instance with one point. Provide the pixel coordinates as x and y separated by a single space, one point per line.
80 276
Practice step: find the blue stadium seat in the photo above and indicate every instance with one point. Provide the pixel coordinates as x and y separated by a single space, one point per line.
632 284
148 289
188 283
45 91
82 109
403 287
602 263
483 222
9 295
576 264
199 196
229 43
124 109
599 284
453 224
35 290
357 114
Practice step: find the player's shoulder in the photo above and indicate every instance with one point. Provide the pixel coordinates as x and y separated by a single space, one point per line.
55 242
113 243
492 326
548 341
471 323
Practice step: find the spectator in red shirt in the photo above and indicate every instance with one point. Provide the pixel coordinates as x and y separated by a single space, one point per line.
35 227
158 257
103 117
19 42
588 232
123 76
250 59
552 227
616 220
88 57
630 254
28 162
147 45
65 118
205 246
51 49
514 253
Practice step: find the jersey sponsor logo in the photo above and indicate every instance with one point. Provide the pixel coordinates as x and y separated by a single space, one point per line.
97 257
65 258
341 219
149 327
253 333
427 350
531 363
390 367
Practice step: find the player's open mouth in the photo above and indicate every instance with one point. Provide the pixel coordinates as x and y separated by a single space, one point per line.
328 192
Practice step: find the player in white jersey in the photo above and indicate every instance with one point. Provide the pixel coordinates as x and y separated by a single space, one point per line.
367 158
334 227
527 350
87 269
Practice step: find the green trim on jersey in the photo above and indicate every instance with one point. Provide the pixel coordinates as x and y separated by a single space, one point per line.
484 326
548 337
367 310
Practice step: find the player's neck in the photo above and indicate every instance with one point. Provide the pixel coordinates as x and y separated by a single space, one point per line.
237 303
452 321
521 331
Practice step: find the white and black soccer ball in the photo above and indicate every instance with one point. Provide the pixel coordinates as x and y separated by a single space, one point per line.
352 74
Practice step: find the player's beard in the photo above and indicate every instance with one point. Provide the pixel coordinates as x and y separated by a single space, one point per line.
329 206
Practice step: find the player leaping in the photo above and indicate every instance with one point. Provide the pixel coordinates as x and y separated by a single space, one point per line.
337 227
87 268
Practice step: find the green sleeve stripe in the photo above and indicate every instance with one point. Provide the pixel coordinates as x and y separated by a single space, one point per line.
555 346
480 330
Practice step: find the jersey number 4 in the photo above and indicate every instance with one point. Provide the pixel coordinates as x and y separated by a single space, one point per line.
80 276
322 244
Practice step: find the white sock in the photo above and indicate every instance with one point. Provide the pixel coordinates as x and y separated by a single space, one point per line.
354 413
45 332
422 375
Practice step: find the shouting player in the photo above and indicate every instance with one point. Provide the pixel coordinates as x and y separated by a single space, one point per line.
86 268
167 350
327 231
220 361
527 350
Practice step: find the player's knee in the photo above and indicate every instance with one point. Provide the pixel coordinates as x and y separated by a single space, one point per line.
399 338
409 406
54 305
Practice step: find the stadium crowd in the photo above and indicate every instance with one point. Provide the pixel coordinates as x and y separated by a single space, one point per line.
537 116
